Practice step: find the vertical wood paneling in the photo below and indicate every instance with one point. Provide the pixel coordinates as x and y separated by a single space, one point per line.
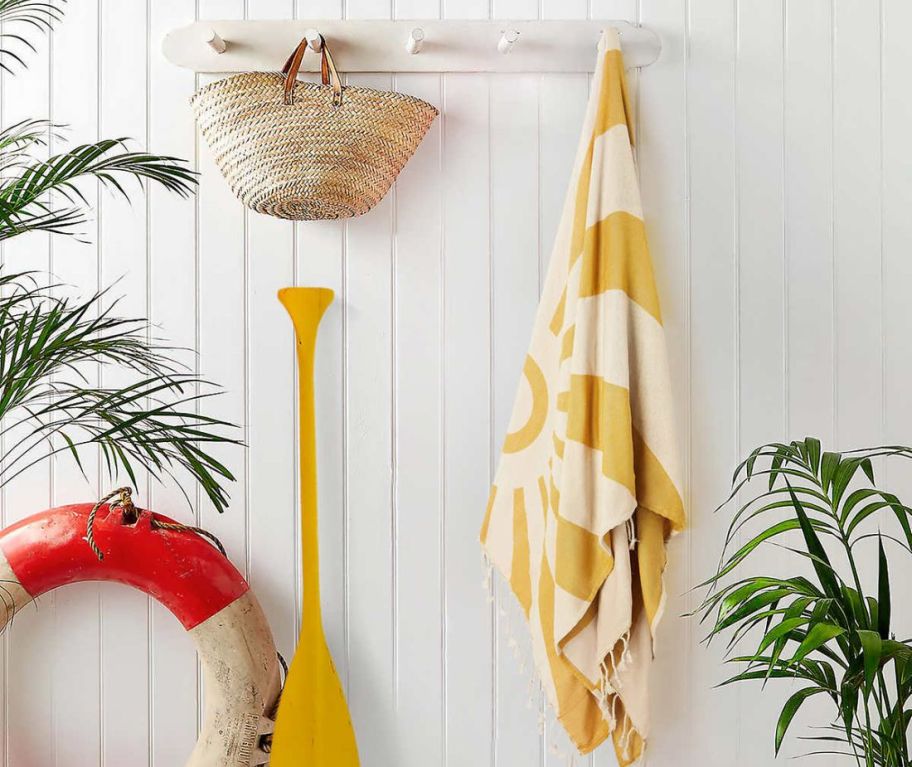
760 167
759 139
370 440
514 9
77 657
29 708
858 230
270 9
467 418
418 459
270 260
513 140
368 9
418 443
565 9
126 692
561 107
74 263
416 9
173 306
222 317
713 331
319 9
466 9
614 9
897 267
515 259
270 378
774 164
808 101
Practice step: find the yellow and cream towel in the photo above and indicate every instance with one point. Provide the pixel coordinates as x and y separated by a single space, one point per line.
588 488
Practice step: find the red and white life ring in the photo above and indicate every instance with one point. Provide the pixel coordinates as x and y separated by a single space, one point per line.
188 576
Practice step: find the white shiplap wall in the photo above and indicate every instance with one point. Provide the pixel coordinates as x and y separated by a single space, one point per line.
777 176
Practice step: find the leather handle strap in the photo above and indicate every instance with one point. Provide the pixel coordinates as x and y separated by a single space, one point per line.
292 67
328 71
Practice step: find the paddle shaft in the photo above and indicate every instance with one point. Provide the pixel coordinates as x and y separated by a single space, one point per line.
306 307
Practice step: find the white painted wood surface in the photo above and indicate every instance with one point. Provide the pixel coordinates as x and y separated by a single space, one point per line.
777 180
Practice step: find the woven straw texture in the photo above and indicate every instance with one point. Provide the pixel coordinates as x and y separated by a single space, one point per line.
309 159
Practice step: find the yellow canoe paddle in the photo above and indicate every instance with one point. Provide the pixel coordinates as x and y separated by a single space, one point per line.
313 727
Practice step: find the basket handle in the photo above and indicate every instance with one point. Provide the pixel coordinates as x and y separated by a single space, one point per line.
328 71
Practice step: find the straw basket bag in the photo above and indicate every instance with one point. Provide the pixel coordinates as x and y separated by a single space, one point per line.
304 151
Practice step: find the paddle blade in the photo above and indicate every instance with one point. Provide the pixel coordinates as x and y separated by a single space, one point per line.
313 726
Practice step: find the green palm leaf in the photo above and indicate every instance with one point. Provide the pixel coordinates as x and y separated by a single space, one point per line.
25 198
789 710
825 631
48 406
22 16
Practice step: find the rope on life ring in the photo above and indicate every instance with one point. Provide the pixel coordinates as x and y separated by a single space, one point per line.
131 514
188 574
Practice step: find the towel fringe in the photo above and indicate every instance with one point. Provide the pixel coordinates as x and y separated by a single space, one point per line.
626 732
607 696
546 727
626 656
486 584
632 532
607 693
609 668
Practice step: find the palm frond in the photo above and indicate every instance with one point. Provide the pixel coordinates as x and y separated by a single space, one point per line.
27 15
48 406
25 197
38 13
825 632
24 134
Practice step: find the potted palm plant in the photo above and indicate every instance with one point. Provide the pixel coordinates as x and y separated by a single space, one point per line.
820 629
47 404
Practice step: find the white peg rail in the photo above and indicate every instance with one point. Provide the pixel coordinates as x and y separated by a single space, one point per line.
408 46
